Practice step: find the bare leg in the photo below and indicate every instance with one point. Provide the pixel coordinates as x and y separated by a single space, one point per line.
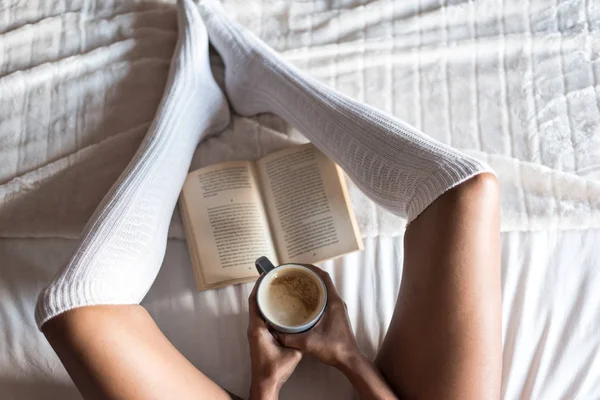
445 338
118 352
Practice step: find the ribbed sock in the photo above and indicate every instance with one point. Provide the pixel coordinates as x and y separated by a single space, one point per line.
123 245
396 165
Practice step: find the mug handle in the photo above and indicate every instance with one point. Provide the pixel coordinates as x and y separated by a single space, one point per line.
263 265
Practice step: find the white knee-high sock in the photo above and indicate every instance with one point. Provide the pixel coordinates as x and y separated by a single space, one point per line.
395 164
123 244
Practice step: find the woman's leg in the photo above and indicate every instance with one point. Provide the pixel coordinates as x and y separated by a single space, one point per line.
396 165
110 346
449 307
122 247
117 352
445 338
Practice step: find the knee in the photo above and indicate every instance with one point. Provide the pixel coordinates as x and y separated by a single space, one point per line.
481 191
482 185
474 198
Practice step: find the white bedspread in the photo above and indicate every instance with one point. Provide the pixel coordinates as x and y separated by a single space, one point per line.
513 82
550 300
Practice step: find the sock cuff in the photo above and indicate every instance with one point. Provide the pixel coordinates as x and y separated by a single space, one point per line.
447 176
58 299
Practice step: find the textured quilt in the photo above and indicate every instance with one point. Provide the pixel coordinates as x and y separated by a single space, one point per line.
513 82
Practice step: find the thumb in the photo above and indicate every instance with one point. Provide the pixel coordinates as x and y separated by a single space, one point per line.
294 340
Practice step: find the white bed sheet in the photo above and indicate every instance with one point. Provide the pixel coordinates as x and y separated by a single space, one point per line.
551 319
512 82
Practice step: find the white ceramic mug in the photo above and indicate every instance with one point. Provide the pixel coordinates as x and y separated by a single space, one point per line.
264 265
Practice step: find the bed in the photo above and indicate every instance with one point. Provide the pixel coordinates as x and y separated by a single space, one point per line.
515 83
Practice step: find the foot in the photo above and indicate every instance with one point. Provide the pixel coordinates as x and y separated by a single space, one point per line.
249 62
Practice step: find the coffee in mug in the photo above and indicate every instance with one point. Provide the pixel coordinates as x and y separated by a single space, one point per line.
291 297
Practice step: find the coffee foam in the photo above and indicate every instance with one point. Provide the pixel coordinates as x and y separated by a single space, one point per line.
292 297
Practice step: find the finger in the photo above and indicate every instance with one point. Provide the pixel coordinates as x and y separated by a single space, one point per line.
294 354
293 340
274 335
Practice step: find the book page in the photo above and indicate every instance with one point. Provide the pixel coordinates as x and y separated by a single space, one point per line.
226 224
308 206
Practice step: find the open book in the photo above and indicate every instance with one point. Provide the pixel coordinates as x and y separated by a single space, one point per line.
291 206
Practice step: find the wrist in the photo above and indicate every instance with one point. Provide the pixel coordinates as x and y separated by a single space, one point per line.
365 378
264 389
351 361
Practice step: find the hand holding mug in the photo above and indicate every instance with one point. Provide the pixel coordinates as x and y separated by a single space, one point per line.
331 340
272 363
324 332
